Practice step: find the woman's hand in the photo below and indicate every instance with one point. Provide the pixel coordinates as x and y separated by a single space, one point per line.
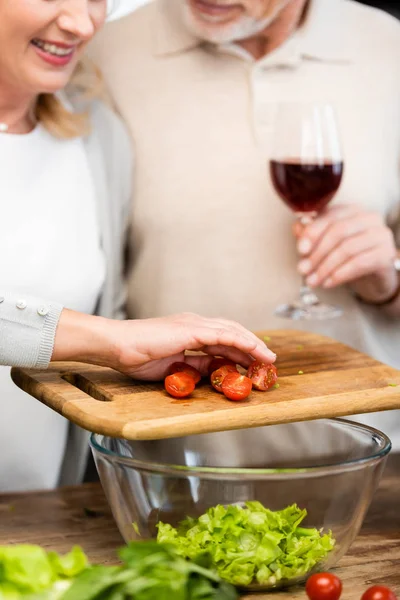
349 245
145 348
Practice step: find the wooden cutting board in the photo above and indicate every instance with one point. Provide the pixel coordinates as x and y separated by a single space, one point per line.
318 378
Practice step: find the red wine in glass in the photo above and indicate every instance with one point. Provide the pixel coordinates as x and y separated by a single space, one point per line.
306 169
306 187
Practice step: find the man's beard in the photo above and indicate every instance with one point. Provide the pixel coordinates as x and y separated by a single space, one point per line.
243 28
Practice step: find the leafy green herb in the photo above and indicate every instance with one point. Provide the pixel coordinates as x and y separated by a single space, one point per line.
266 338
276 385
148 571
151 570
393 384
251 544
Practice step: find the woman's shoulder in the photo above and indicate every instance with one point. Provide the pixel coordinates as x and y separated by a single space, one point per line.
110 149
109 127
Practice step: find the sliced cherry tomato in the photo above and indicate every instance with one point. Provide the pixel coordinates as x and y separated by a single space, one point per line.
378 592
179 385
323 586
236 386
262 375
216 363
218 376
182 367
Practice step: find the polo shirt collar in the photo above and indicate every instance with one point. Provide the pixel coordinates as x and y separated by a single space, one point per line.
322 36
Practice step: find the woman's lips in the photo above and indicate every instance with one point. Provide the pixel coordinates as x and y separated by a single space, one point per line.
56 54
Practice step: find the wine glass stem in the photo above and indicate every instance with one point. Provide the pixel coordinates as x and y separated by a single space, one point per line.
307 296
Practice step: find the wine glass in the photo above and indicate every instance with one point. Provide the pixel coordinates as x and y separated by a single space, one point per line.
306 169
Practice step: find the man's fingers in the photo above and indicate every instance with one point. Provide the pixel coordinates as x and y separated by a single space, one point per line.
312 235
355 268
347 250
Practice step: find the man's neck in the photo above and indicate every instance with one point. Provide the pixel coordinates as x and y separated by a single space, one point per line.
278 32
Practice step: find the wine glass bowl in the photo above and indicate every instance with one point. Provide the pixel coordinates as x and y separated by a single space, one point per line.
306 187
306 169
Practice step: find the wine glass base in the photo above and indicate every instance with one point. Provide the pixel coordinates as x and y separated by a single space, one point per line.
301 312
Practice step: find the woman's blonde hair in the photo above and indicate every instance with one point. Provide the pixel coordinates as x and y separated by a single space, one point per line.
86 84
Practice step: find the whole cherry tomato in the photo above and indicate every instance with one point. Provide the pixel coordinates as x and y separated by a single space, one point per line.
179 385
378 592
216 363
218 376
262 375
236 386
323 586
182 367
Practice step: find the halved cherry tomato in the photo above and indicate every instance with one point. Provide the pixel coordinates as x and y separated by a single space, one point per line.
182 367
218 376
216 363
262 375
179 385
378 592
323 586
236 386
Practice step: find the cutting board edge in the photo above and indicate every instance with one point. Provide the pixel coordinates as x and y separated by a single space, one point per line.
229 422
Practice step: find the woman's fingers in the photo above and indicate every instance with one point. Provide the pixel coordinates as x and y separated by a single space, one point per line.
234 342
204 331
259 345
202 362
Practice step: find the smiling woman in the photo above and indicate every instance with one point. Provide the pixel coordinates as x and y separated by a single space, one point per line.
45 41
63 223
55 187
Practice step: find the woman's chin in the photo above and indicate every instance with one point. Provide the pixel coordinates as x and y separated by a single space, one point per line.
50 84
49 80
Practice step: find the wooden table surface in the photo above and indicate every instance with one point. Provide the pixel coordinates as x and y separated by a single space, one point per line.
80 515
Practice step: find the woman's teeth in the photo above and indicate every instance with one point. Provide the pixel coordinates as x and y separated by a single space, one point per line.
52 48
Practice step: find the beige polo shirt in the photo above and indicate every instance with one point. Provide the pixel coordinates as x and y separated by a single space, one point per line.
209 233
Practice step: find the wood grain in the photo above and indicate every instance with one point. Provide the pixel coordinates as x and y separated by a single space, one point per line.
80 515
334 380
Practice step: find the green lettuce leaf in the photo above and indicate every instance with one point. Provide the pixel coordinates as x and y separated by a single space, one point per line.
68 565
28 571
251 544
26 567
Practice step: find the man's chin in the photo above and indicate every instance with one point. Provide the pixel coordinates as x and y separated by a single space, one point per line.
215 33
235 31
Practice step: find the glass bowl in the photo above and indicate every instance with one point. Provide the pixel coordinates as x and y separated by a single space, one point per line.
329 467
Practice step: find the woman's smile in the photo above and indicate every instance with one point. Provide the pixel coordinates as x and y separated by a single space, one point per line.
54 53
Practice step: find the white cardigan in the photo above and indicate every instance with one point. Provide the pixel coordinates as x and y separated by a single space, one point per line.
27 337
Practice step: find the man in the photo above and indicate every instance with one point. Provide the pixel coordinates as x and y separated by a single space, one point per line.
197 82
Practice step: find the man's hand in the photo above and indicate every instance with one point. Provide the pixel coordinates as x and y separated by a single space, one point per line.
349 245
145 348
